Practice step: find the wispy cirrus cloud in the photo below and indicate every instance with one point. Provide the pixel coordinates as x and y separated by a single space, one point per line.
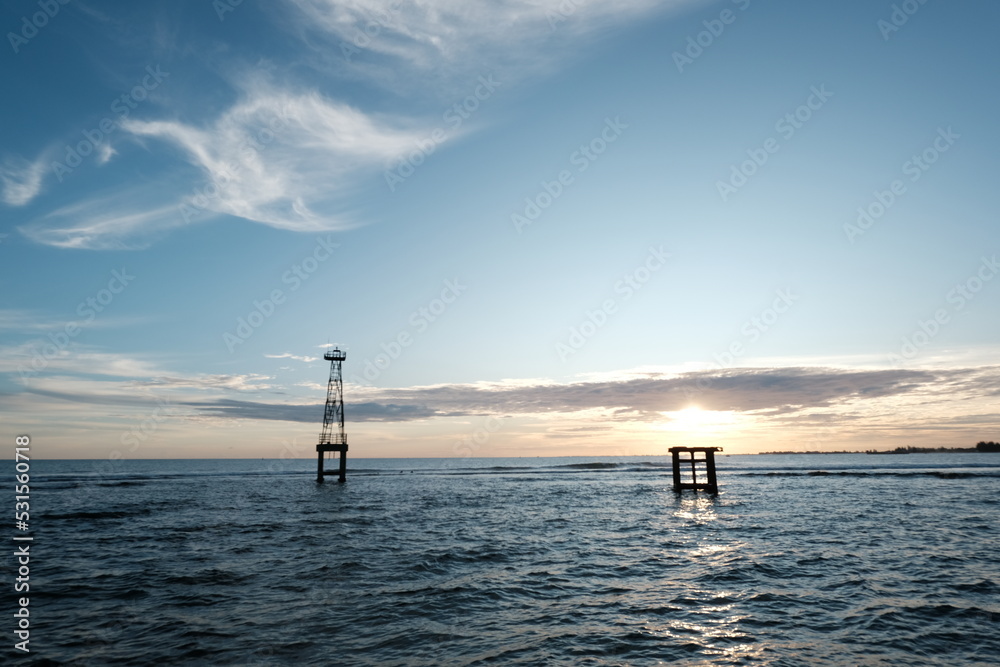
104 223
73 359
279 158
388 39
290 158
235 382
288 355
33 322
21 180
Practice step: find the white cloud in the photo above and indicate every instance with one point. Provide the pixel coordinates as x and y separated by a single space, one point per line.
443 38
33 322
73 359
22 321
245 382
280 158
21 180
79 374
288 355
313 387
104 223
105 152
291 158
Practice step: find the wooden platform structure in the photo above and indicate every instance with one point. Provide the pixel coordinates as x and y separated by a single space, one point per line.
709 482
342 472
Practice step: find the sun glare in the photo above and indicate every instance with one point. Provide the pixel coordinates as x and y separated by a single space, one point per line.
694 419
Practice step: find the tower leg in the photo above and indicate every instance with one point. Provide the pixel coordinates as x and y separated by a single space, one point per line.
713 484
677 471
343 466
319 468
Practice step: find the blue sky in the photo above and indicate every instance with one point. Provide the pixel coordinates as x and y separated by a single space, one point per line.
599 228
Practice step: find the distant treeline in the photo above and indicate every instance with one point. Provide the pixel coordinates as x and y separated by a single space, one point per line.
844 451
921 450
980 447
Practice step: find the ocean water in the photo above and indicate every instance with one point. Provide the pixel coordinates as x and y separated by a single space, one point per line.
886 560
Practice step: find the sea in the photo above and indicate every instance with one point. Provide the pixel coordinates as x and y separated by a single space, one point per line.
800 560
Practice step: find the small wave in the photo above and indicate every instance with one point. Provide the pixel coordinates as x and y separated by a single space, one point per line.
881 473
985 586
72 516
209 577
590 466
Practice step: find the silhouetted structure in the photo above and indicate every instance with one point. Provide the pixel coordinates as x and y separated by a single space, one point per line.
709 484
332 438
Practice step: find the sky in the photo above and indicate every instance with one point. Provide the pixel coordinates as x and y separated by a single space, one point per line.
536 227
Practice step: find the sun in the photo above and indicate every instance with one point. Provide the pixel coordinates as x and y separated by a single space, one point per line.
693 419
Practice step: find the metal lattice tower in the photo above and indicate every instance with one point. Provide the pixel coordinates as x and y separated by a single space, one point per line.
333 438
333 416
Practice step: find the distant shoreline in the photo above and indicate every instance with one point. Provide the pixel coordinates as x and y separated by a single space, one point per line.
908 450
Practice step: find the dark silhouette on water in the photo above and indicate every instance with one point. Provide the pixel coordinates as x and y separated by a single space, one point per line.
708 460
332 438
979 448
